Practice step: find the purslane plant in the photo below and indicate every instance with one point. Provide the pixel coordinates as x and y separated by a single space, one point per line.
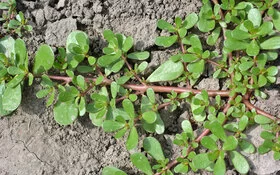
77 84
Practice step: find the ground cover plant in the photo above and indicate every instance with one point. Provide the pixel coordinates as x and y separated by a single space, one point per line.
77 84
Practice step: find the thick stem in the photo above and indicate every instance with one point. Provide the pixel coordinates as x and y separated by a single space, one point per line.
259 111
143 88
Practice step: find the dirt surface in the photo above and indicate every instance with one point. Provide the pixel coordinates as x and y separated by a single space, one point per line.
30 140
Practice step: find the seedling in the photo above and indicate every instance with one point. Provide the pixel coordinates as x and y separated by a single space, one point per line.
129 102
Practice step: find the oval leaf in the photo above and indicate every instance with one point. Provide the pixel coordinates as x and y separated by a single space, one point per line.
44 59
132 140
153 147
141 162
109 170
65 113
239 162
167 71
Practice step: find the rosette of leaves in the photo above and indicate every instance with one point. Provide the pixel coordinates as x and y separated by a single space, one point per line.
214 159
13 22
13 70
117 52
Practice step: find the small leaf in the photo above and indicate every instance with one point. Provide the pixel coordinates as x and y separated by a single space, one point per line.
209 143
139 55
276 19
16 80
11 98
246 65
132 140
243 123
44 59
109 170
262 80
271 43
272 71
153 147
151 95
190 20
205 25
42 93
181 168
212 39
166 41
128 107
239 162
111 125
253 48
165 25
246 146
220 166
255 17
106 60
149 116
234 44
141 162
187 127
217 129
128 43
201 161
230 143
196 67
65 113
166 72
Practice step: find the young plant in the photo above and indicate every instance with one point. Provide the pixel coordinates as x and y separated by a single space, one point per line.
116 93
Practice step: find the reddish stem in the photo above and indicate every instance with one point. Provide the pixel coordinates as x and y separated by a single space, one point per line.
143 88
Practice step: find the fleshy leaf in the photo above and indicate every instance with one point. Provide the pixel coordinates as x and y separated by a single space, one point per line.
141 162
44 59
65 113
109 170
153 147
166 72
239 162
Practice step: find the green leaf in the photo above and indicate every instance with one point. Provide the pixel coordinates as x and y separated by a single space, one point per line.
246 65
111 125
44 59
276 19
187 127
220 166
85 69
217 129
141 162
190 20
109 170
4 5
253 48
117 66
276 155
21 53
128 43
132 140
11 98
151 95
243 123
246 146
196 67
181 168
240 34
128 107
209 143
153 147
142 66
91 60
262 80
272 71
106 60
149 116
108 35
120 133
165 26
265 28
51 98
65 113
13 70
82 106
255 17
139 55
16 80
234 44
69 94
201 161
205 25
271 43
42 93
267 135
230 143
212 39
239 162
166 72
166 41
